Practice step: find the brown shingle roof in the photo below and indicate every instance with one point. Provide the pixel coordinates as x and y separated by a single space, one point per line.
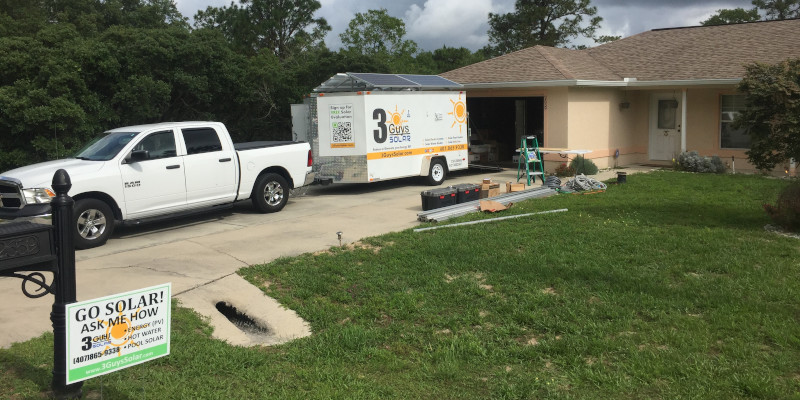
708 52
524 65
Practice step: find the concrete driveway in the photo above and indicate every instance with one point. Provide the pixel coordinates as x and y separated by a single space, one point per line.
198 252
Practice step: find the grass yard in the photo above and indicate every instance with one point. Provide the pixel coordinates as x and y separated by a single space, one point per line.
665 287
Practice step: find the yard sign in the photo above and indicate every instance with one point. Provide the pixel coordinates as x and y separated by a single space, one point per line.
118 331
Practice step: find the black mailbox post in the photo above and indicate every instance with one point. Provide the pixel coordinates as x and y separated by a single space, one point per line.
27 250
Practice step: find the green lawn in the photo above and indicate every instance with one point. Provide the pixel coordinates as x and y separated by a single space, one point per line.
664 287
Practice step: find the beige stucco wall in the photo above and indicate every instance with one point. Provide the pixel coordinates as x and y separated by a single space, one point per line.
591 118
702 123
597 122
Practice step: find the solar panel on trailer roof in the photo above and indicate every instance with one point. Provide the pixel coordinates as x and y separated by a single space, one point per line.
384 80
430 80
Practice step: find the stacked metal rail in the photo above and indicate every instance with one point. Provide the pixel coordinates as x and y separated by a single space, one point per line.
444 213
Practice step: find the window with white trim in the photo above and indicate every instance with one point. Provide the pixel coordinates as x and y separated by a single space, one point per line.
730 138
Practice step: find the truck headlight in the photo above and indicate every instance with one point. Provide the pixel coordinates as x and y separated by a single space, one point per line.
38 195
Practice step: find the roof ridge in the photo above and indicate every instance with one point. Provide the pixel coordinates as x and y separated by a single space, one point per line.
555 62
722 25
601 63
489 59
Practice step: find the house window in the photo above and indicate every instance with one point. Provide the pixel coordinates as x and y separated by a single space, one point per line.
731 138
667 113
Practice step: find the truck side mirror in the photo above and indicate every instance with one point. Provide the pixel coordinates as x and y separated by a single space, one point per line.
137 155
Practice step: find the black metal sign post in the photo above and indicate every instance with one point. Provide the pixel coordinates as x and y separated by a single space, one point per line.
64 282
27 250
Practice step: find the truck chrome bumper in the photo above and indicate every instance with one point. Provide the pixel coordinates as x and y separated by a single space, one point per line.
28 211
309 178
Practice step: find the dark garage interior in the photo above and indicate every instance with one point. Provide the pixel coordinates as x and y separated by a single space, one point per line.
498 123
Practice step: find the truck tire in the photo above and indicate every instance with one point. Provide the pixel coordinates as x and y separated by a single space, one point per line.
437 173
93 221
270 193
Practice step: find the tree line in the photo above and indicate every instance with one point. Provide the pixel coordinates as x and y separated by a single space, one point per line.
70 69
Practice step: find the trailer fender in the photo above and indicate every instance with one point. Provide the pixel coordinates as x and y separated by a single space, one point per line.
425 168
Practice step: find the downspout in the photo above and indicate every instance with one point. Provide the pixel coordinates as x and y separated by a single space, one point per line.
683 121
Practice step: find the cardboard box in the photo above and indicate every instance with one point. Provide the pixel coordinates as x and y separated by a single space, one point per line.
490 190
514 187
487 181
493 206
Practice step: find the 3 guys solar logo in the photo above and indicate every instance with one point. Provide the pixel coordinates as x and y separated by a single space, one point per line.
391 125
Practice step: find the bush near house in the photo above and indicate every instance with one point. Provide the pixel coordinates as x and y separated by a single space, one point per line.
693 162
786 212
772 113
563 170
583 166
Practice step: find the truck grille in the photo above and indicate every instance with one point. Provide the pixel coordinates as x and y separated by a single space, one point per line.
10 195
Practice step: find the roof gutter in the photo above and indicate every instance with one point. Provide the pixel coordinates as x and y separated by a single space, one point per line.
628 82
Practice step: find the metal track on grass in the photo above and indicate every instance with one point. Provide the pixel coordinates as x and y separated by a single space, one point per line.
445 213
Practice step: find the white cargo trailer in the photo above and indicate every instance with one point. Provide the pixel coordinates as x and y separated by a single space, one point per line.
372 127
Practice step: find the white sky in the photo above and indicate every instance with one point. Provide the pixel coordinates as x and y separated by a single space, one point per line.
457 23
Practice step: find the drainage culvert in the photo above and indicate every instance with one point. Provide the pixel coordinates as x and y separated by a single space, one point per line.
250 327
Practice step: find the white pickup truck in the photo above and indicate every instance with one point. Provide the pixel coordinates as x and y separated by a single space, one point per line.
139 173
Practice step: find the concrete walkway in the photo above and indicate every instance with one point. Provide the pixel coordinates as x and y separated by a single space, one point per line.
201 255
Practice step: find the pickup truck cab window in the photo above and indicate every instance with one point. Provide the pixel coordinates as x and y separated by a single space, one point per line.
201 140
106 147
158 145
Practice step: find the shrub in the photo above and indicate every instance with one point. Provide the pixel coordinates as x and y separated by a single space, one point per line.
693 162
786 212
563 170
583 166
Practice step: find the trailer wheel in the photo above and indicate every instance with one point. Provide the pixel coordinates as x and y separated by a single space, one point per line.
438 173
270 193
93 221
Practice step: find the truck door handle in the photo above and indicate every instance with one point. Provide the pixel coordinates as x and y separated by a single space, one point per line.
173 166
224 159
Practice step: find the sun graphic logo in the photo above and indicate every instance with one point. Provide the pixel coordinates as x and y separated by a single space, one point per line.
459 112
120 333
396 119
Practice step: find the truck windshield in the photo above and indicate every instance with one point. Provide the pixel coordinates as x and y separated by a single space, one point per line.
104 148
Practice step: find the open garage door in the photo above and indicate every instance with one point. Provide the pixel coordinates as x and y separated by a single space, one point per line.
498 123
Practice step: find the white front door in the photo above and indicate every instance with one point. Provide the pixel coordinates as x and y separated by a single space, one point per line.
155 184
665 126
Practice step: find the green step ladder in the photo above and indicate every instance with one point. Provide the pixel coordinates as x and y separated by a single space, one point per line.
529 154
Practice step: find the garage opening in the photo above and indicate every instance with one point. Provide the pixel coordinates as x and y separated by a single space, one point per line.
498 123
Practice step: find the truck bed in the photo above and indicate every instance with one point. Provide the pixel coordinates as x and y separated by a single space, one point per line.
261 144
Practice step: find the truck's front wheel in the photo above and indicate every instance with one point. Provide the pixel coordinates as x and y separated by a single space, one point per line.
270 193
93 222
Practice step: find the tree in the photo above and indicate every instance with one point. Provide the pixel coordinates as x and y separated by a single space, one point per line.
284 27
779 9
70 72
772 113
602 39
771 9
541 22
445 59
734 16
377 33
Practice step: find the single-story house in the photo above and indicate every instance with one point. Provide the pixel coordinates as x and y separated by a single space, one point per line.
638 100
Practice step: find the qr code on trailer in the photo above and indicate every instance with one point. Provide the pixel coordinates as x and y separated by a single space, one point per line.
342 132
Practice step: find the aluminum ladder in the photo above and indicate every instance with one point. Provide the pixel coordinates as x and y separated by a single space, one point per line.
529 154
